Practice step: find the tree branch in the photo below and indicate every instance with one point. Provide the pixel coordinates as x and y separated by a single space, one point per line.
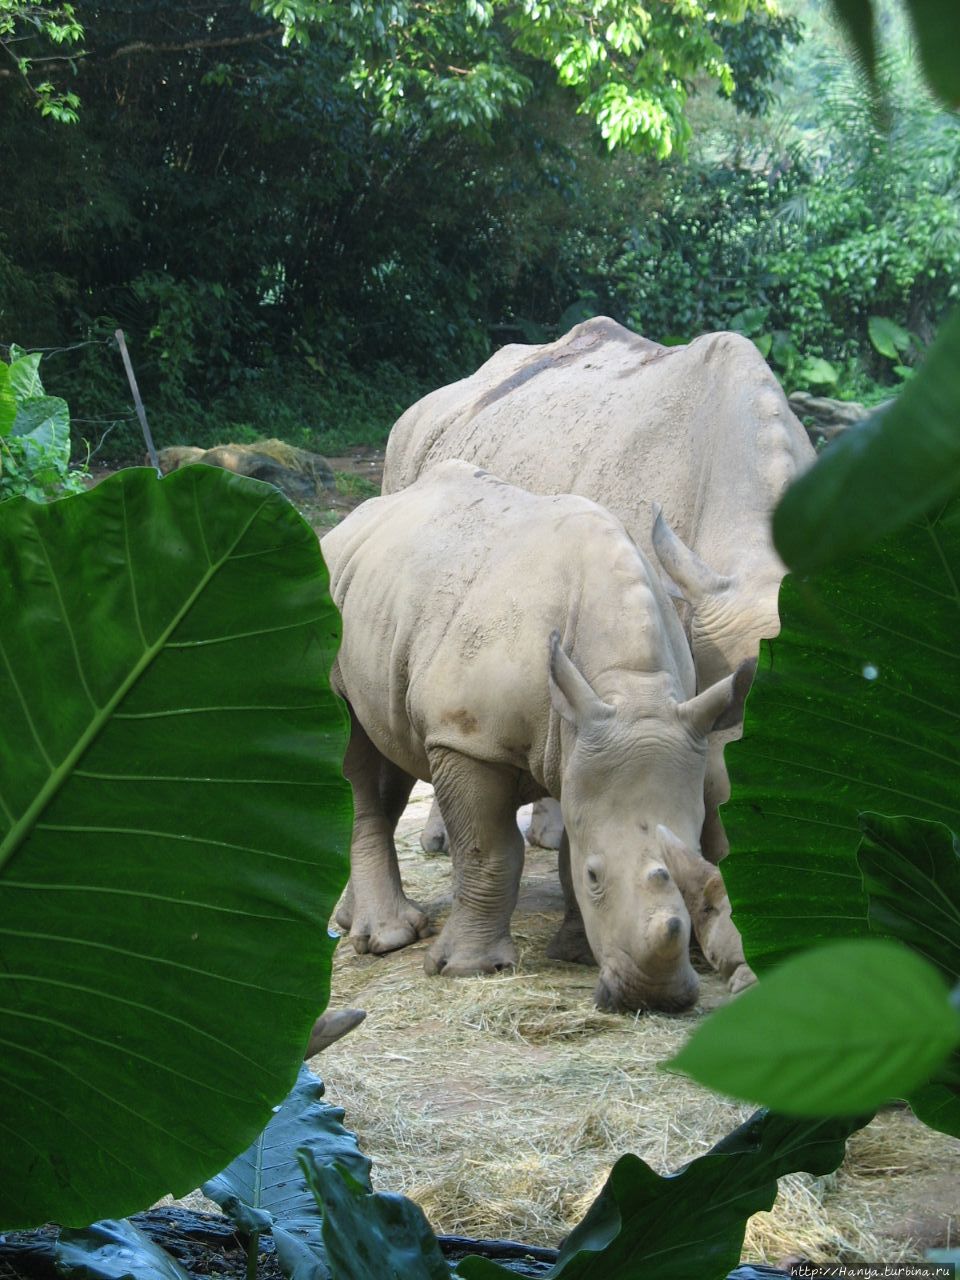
87 56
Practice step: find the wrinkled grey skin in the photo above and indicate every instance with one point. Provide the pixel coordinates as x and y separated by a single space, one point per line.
509 647
702 429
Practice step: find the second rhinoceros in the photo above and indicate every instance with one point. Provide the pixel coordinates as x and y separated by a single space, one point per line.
508 646
703 429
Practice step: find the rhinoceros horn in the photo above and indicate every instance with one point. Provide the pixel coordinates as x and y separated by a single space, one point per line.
694 578
720 706
570 691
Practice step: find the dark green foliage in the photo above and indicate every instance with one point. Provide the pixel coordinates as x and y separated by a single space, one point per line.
853 709
34 434
911 875
173 831
754 49
264 1188
281 264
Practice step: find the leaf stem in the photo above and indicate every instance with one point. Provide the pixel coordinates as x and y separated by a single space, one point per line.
253 1250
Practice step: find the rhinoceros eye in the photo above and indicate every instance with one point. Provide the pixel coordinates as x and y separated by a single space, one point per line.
594 874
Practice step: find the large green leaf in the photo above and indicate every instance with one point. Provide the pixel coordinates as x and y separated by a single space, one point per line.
887 337
854 708
938 1103
936 24
46 419
8 401
837 1030
911 873
265 1189
366 1234
173 828
25 375
689 1225
899 463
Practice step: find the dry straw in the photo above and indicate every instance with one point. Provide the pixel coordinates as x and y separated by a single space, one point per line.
500 1104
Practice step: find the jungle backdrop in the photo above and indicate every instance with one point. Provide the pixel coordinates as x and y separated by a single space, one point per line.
302 226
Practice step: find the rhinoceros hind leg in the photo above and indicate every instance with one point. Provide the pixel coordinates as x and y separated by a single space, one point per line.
433 837
479 801
381 917
570 941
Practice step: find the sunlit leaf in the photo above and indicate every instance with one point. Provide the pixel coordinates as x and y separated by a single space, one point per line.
837 1030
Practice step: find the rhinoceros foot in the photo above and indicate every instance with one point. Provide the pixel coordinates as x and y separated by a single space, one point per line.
458 957
380 931
742 977
570 943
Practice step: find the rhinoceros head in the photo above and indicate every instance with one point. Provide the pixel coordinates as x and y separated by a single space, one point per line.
633 783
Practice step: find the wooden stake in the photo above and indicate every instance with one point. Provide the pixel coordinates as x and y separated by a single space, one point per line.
138 403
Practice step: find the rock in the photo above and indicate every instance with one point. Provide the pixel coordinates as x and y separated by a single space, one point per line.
297 472
825 418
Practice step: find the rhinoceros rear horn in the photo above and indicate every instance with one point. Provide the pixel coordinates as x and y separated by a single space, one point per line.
695 579
570 692
720 706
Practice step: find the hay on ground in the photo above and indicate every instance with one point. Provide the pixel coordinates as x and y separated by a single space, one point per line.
500 1104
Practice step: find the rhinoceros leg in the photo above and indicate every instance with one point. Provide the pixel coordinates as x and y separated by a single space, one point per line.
570 941
479 802
381 917
546 824
433 837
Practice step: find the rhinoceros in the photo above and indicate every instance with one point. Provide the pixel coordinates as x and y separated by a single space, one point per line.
509 646
704 430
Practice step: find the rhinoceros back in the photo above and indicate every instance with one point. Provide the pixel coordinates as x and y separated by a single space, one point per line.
449 591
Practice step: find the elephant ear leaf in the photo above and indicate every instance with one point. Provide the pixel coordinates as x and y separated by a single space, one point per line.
264 1188
173 821
372 1234
689 1223
113 1250
852 709
911 873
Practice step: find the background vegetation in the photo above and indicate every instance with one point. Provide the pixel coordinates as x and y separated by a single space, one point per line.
295 248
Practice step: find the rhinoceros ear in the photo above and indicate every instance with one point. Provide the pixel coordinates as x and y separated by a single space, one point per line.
720 706
695 579
570 692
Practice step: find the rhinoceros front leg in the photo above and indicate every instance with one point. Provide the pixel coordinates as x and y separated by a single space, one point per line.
570 940
375 909
479 804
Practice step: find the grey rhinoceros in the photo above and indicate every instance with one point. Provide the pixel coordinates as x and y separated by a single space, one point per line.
704 430
509 646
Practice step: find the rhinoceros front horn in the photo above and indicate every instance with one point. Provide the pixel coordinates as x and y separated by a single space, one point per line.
694 578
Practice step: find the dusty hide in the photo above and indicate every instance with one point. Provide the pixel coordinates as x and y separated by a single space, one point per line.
300 474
